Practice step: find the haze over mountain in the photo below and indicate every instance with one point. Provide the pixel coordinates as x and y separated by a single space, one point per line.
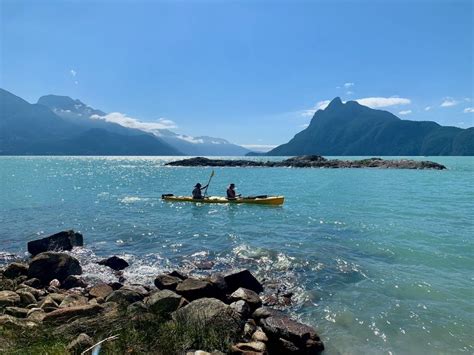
353 129
81 114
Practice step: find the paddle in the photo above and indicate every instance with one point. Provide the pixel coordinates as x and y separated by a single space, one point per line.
210 178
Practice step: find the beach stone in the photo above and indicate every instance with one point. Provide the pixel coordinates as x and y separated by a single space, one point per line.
16 312
249 296
64 240
73 300
242 278
26 298
33 282
204 265
211 313
163 302
73 281
241 307
262 312
34 291
167 282
62 315
114 262
54 285
192 289
49 266
9 298
15 270
178 274
36 315
124 296
101 290
81 343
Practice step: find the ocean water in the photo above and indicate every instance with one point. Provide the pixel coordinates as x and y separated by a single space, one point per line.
380 261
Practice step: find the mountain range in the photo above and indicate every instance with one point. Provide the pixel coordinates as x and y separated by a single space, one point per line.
60 125
353 129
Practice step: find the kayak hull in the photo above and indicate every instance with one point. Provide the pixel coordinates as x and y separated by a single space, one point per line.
269 200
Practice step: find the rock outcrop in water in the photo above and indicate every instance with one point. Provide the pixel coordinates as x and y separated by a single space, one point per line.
47 297
312 161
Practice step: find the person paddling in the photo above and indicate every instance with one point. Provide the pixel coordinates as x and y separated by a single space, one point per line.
197 191
231 192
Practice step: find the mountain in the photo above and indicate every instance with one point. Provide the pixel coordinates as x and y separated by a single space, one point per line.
352 129
79 113
34 129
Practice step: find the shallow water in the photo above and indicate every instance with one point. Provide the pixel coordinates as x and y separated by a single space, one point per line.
381 261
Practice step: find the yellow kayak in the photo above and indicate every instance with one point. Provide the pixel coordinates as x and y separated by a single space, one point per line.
256 200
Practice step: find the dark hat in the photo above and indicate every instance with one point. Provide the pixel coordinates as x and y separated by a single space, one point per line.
197 185
232 184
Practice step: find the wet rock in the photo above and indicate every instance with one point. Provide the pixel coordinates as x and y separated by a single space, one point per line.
241 307
101 290
242 278
279 326
73 281
48 266
9 298
178 274
62 315
81 343
64 240
114 262
33 282
16 312
124 296
211 313
167 282
249 296
192 289
73 300
163 302
204 265
15 270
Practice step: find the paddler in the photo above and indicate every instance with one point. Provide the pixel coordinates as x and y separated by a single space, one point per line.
197 195
231 192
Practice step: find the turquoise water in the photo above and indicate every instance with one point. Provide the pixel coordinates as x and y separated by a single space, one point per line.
381 261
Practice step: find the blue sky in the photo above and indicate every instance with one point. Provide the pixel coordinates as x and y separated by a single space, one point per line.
248 71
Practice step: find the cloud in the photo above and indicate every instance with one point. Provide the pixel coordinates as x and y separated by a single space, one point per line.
130 122
376 102
469 110
348 85
259 147
448 102
304 125
321 105
349 92
405 112
427 108
73 72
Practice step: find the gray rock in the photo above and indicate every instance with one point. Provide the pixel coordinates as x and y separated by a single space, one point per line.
245 348
10 322
73 281
248 296
114 262
73 300
137 308
242 278
63 315
101 290
167 282
124 296
259 336
49 266
192 289
64 240
262 312
178 274
36 315
9 298
241 307
26 298
81 343
48 304
15 270
163 302
34 282
16 312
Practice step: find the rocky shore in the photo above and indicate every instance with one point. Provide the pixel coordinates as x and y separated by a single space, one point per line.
312 161
47 306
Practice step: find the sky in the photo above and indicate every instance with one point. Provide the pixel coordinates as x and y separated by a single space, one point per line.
252 72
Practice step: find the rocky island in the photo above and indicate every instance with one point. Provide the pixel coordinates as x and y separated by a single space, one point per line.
46 306
312 161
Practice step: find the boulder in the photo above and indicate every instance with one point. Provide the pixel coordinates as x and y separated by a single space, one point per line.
34 291
178 274
9 298
281 329
81 343
163 303
241 307
36 315
33 282
249 296
73 300
73 281
63 315
101 290
259 336
192 289
26 298
211 314
218 283
48 304
49 266
255 347
167 282
114 262
242 278
10 322
64 240
15 270
16 312
124 296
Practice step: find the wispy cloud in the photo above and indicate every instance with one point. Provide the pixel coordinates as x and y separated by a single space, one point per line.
448 102
348 85
126 121
304 125
321 105
376 102
427 108
73 72
405 112
259 147
469 110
